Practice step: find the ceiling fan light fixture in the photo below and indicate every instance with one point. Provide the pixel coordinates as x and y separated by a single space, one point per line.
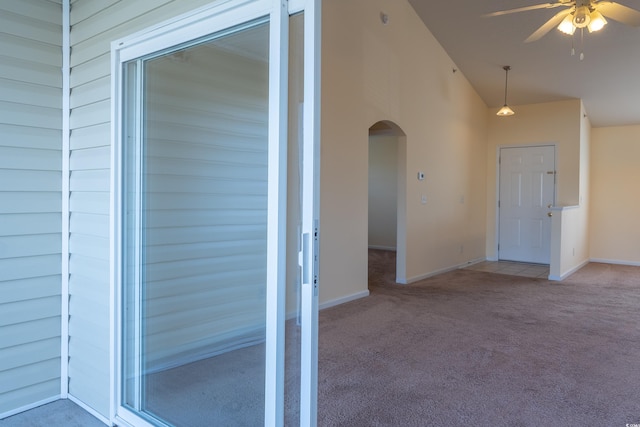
597 22
566 26
581 17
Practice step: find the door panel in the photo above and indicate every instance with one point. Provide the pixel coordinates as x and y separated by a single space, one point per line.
527 188
214 322
194 306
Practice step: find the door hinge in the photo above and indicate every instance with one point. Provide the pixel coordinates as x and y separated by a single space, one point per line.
498 203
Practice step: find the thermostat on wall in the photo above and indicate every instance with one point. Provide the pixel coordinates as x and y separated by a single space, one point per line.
420 176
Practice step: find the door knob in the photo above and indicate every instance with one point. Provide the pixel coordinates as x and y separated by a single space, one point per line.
549 213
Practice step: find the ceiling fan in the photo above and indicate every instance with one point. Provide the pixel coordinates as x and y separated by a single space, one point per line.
580 14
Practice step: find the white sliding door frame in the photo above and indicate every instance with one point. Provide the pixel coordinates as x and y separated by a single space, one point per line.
218 16
311 213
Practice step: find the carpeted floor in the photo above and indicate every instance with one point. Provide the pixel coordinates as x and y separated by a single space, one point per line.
464 348
482 349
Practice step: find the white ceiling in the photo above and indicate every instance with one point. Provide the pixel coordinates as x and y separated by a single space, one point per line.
607 80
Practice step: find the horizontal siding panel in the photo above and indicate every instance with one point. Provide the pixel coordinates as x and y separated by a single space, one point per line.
212 148
28 115
110 17
28 395
90 93
90 159
216 298
90 180
192 251
87 42
188 235
30 72
35 223
30 137
25 289
92 203
89 71
199 266
30 180
24 333
205 201
199 217
32 267
90 246
90 225
35 9
91 115
86 288
91 137
208 169
31 245
30 353
29 159
87 318
32 202
193 185
30 94
82 10
30 50
204 283
95 270
89 383
29 310
25 376
221 137
28 28
194 117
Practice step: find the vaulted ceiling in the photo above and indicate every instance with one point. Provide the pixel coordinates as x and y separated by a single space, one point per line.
607 79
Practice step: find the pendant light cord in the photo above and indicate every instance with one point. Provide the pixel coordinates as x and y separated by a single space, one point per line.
506 79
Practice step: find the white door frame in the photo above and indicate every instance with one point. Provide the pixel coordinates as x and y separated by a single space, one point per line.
199 23
496 240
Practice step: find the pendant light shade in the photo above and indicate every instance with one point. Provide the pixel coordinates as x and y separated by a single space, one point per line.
505 110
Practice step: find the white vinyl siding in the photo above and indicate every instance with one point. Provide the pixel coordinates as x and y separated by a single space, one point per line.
206 204
94 25
30 201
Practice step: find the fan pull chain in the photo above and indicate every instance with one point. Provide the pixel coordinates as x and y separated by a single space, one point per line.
581 44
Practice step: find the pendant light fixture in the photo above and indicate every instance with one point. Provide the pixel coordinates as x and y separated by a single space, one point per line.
505 110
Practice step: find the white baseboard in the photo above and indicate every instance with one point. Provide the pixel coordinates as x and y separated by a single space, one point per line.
615 261
383 248
568 273
443 270
344 299
89 409
29 406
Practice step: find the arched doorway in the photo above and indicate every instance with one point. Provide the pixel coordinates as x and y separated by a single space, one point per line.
387 202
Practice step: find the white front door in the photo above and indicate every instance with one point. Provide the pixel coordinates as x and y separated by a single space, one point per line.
527 191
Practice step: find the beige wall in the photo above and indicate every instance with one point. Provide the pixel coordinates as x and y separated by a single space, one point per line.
615 208
397 72
548 123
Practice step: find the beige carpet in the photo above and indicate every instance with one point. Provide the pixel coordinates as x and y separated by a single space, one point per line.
483 349
465 348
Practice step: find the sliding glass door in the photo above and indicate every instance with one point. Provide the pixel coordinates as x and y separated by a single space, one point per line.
215 284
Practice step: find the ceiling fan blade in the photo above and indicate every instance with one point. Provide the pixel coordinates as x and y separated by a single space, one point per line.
548 26
619 13
534 7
